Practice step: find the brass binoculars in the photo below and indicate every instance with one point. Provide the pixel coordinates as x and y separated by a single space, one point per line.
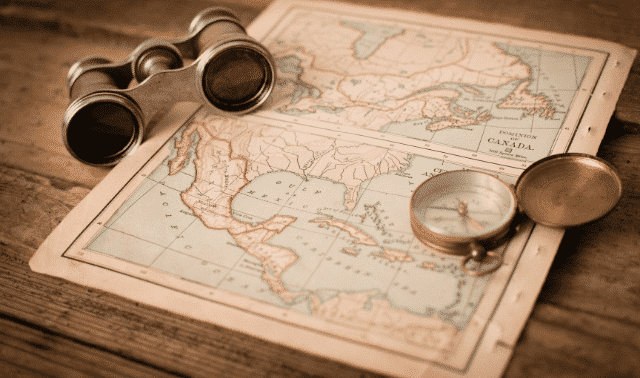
230 72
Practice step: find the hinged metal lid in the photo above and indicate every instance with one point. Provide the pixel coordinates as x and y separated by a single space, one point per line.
568 190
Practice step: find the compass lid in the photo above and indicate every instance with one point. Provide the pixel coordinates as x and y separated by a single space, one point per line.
568 190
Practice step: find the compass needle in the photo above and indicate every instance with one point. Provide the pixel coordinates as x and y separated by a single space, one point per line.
473 223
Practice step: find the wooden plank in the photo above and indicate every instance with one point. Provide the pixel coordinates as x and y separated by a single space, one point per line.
627 113
564 343
121 19
597 268
48 353
33 97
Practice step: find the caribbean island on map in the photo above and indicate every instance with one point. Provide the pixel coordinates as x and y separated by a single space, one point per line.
295 218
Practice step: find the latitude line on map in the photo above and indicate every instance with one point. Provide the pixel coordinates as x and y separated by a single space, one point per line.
312 213
237 211
174 239
510 163
173 250
123 233
282 206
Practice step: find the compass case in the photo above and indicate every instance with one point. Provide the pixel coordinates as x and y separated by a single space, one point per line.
568 190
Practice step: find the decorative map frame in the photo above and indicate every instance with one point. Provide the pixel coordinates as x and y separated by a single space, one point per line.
291 224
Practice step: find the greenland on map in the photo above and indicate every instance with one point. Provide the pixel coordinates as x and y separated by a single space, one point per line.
292 223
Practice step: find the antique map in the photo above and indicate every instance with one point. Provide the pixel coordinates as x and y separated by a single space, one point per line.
292 223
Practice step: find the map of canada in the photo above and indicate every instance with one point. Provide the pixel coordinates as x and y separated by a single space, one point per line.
463 91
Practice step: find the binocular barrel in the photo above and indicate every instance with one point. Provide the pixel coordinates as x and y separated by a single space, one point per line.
230 72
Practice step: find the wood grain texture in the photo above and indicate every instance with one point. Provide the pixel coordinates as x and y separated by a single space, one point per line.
586 322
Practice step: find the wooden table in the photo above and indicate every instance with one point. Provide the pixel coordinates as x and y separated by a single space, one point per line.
586 321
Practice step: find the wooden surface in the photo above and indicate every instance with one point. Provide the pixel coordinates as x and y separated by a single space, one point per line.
586 322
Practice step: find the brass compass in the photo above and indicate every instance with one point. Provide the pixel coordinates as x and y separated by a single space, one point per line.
471 213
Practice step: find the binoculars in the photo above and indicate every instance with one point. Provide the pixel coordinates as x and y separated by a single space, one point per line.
230 72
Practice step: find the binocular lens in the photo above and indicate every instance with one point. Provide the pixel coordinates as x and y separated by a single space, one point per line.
237 79
102 132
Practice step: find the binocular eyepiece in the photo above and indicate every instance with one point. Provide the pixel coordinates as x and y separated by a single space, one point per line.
231 72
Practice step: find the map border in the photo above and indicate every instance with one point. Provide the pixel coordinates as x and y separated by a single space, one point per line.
502 327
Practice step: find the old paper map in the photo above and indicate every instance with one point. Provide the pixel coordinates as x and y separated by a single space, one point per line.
292 223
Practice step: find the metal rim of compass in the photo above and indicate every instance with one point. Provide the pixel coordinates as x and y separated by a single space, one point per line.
460 245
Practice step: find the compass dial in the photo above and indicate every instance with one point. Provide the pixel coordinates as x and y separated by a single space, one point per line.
453 209
464 213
